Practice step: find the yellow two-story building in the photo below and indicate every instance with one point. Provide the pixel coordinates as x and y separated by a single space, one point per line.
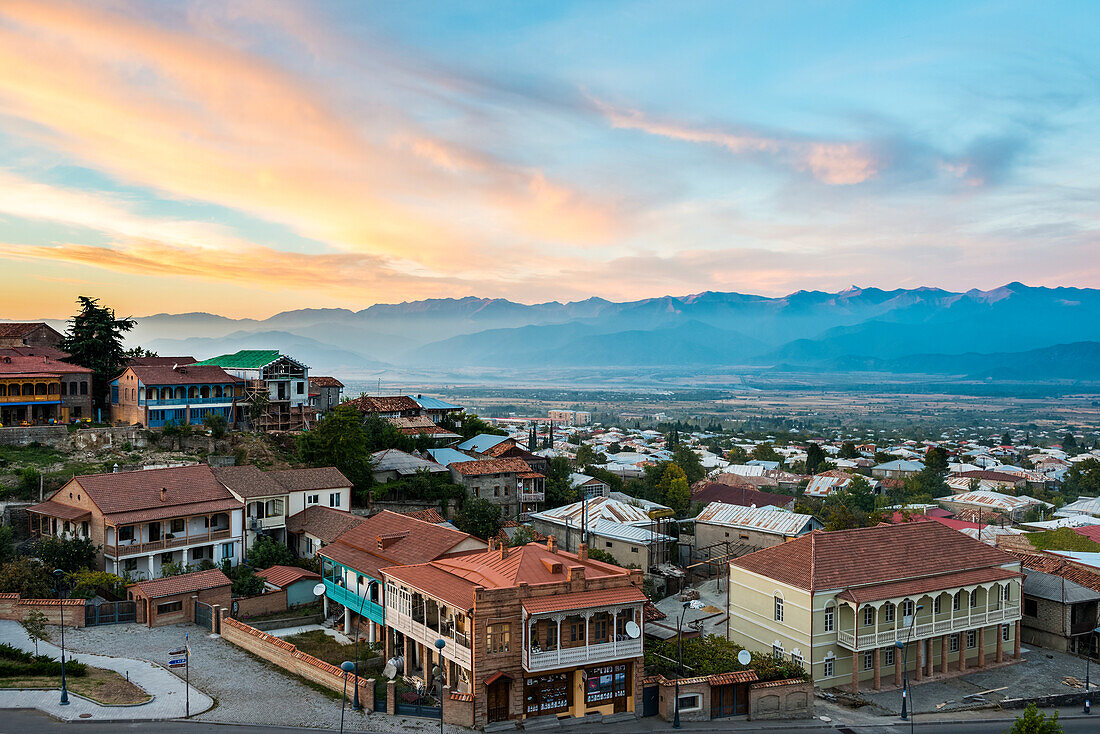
837 603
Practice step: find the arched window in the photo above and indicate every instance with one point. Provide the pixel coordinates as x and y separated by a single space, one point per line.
217 391
829 618
54 388
204 392
180 393
3 390
28 388
192 392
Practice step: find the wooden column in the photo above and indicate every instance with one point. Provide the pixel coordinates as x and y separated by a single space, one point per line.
877 678
1016 641
1000 644
919 673
944 646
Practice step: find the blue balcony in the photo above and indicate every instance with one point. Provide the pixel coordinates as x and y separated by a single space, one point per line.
356 604
188 401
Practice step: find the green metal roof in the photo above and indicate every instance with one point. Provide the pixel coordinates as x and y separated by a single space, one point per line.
246 359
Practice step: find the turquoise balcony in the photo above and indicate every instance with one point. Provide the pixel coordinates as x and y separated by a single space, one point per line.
357 604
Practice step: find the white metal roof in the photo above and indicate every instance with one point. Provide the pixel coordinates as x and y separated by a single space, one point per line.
757 518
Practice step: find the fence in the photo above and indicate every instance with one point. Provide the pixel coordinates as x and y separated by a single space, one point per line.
110 612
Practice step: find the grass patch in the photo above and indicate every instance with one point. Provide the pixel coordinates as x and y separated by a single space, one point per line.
1062 539
325 647
103 686
29 455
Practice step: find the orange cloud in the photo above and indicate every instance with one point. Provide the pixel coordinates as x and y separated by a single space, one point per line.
830 163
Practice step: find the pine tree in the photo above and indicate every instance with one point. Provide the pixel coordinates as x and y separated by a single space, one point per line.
94 339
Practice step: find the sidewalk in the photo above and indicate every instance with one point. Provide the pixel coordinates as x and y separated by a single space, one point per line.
167 690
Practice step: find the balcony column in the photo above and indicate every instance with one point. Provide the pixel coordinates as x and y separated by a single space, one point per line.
370 631
347 621
981 646
929 659
558 619
944 645
1000 644
919 673
324 605
587 632
876 678
899 663
1016 641
856 665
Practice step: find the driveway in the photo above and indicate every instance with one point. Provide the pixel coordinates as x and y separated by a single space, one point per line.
247 690
169 696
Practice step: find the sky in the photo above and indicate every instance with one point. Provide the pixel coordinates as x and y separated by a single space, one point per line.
246 157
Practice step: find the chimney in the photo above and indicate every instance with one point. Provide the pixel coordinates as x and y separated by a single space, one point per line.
552 544
493 543
503 551
582 552
164 494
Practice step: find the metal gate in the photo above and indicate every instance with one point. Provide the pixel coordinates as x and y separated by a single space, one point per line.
204 615
109 612
412 704
650 701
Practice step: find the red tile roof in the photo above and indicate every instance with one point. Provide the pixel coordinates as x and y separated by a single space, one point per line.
183 584
324 381
163 374
500 448
284 576
490 466
324 523
58 510
1060 567
248 481
13 330
915 587
165 361
134 496
431 516
307 480
584 599
734 676
1092 532
389 404
38 366
880 554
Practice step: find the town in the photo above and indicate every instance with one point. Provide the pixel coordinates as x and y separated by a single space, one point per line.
399 559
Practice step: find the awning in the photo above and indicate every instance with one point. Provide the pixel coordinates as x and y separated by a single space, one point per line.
60 511
499 675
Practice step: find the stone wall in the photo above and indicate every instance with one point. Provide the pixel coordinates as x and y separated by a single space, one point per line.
252 606
781 699
97 439
290 658
688 687
72 610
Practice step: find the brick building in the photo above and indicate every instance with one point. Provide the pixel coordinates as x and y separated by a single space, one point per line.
155 395
510 483
15 335
172 600
42 390
530 631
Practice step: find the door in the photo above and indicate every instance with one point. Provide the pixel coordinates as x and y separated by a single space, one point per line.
498 700
650 701
730 700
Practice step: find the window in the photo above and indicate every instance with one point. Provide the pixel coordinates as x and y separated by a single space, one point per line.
973 598
778 609
301 388
83 388
868 660
177 525
227 550
907 608
633 549
607 545
312 499
936 605
166 558
1005 633
888 613
498 637
777 652
956 601
129 565
868 616
126 534
830 619
599 629
334 499
690 702
796 659
309 544
953 643
576 631
1031 607
971 640
830 667
169 606
888 656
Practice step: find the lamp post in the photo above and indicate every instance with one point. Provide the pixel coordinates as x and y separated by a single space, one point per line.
693 604
904 647
439 645
347 666
1088 660
59 580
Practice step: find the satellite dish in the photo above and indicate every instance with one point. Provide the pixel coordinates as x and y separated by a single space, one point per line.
390 671
632 630
744 657
319 590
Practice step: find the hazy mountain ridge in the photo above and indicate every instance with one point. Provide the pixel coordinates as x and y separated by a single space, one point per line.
856 329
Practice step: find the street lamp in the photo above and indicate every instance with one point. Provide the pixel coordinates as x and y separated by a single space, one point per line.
904 647
693 604
1088 660
347 666
59 580
439 645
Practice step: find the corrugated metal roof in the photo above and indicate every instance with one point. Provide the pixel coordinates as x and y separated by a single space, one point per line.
481 442
402 462
246 359
446 457
629 533
597 508
757 518
996 500
1055 588
428 403
820 486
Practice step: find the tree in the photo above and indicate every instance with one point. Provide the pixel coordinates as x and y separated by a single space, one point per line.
137 353
558 490
469 425
766 452
815 459
1033 722
848 450
94 339
28 578
216 423
737 455
34 624
1006 439
937 458
175 568
267 552
1069 443
673 489
1082 478
522 536
340 441
856 495
7 544
245 581
689 461
68 554
480 518
598 554
587 455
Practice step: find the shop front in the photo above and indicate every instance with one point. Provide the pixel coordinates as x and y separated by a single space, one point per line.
604 689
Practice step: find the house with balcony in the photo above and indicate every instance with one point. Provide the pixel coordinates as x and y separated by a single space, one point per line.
270 497
141 520
276 388
510 483
154 395
351 564
530 631
37 390
836 603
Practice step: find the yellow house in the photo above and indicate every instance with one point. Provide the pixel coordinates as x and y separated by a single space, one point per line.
837 603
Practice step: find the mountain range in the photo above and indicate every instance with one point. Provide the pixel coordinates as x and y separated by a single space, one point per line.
1014 332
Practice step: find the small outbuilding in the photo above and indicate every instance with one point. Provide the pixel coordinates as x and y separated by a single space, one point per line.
172 599
297 582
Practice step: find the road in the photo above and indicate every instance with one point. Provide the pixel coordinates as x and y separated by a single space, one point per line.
33 722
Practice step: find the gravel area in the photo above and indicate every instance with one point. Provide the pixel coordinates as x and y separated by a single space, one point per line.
248 690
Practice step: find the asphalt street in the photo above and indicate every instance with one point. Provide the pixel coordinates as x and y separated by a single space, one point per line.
33 722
